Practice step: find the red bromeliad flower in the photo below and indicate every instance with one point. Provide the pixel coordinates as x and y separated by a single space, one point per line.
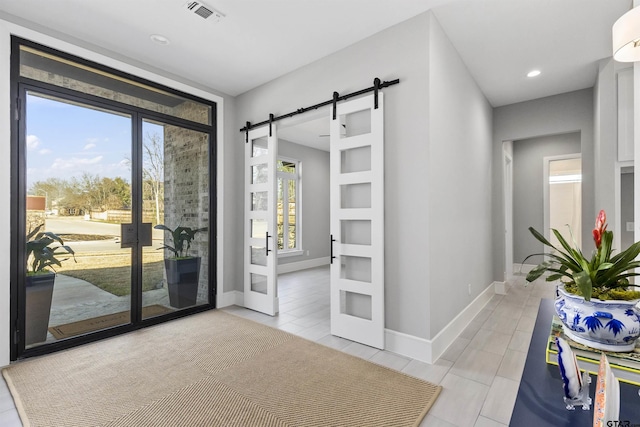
601 227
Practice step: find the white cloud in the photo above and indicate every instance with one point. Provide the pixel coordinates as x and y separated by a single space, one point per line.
44 151
74 163
89 146
32 142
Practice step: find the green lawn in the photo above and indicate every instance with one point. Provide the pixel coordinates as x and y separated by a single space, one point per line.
111 271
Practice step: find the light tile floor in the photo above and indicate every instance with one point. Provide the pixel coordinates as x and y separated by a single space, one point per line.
480 372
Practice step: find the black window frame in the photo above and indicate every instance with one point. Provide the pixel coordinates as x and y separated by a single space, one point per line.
18 87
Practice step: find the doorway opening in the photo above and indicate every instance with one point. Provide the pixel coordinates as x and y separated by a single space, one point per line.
624 203
355 237
303 274
563 197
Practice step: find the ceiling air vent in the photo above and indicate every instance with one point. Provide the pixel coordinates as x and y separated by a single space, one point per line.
203 11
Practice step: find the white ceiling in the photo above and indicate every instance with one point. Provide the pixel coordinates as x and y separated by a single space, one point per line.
259 40
502 40
256 42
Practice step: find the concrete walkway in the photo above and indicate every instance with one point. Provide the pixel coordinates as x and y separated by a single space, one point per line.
76 299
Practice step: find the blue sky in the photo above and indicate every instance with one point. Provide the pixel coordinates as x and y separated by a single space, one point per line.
64 140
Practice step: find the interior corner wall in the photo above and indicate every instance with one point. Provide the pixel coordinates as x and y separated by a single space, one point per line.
568 112
314 200
605 140
397 52
460 188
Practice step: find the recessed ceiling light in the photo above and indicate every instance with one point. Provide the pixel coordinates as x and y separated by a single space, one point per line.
159 39
533 73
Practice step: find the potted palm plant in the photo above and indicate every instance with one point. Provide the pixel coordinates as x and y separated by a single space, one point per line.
595 300
43 251
183 270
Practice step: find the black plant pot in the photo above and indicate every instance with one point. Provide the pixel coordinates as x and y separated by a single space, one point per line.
39 291
182 280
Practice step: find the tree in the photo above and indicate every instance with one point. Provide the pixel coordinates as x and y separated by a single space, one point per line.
53 189
153 169
114 194
86 193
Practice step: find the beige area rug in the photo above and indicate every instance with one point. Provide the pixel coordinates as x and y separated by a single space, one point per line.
102 322
213 369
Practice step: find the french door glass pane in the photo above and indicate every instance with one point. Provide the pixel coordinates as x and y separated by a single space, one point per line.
259 147
78 181
175 193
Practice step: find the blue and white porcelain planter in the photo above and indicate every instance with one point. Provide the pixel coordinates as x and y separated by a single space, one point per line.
604 325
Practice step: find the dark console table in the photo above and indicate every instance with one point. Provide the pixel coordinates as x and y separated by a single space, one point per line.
539 401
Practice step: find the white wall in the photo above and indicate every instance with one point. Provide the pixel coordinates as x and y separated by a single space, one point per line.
226 244
459 175
605 141
569 112
5 194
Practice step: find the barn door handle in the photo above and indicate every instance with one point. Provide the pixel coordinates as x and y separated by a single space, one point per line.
332 240
266 244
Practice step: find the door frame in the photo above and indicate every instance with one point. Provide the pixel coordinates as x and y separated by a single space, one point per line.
617 186
507 179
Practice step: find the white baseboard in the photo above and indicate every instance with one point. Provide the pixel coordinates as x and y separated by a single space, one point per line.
429 351
449 333
302 265
230 298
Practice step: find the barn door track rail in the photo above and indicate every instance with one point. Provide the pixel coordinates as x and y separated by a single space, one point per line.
377 85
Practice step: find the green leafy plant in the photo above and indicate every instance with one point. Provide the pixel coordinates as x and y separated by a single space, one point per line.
181 238
42 254
603 276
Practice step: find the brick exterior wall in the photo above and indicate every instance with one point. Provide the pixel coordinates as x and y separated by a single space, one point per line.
186 191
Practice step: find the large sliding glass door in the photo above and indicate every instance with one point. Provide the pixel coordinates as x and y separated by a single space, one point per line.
113 195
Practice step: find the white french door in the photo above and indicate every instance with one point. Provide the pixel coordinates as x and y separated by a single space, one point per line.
260 244
357 221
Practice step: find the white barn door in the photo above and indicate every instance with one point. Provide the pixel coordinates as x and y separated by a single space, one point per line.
357 221
260 244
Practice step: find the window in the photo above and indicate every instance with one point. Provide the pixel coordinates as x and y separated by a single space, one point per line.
288 205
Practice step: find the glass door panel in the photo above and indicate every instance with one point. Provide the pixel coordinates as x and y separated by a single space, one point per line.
175 199
78 181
